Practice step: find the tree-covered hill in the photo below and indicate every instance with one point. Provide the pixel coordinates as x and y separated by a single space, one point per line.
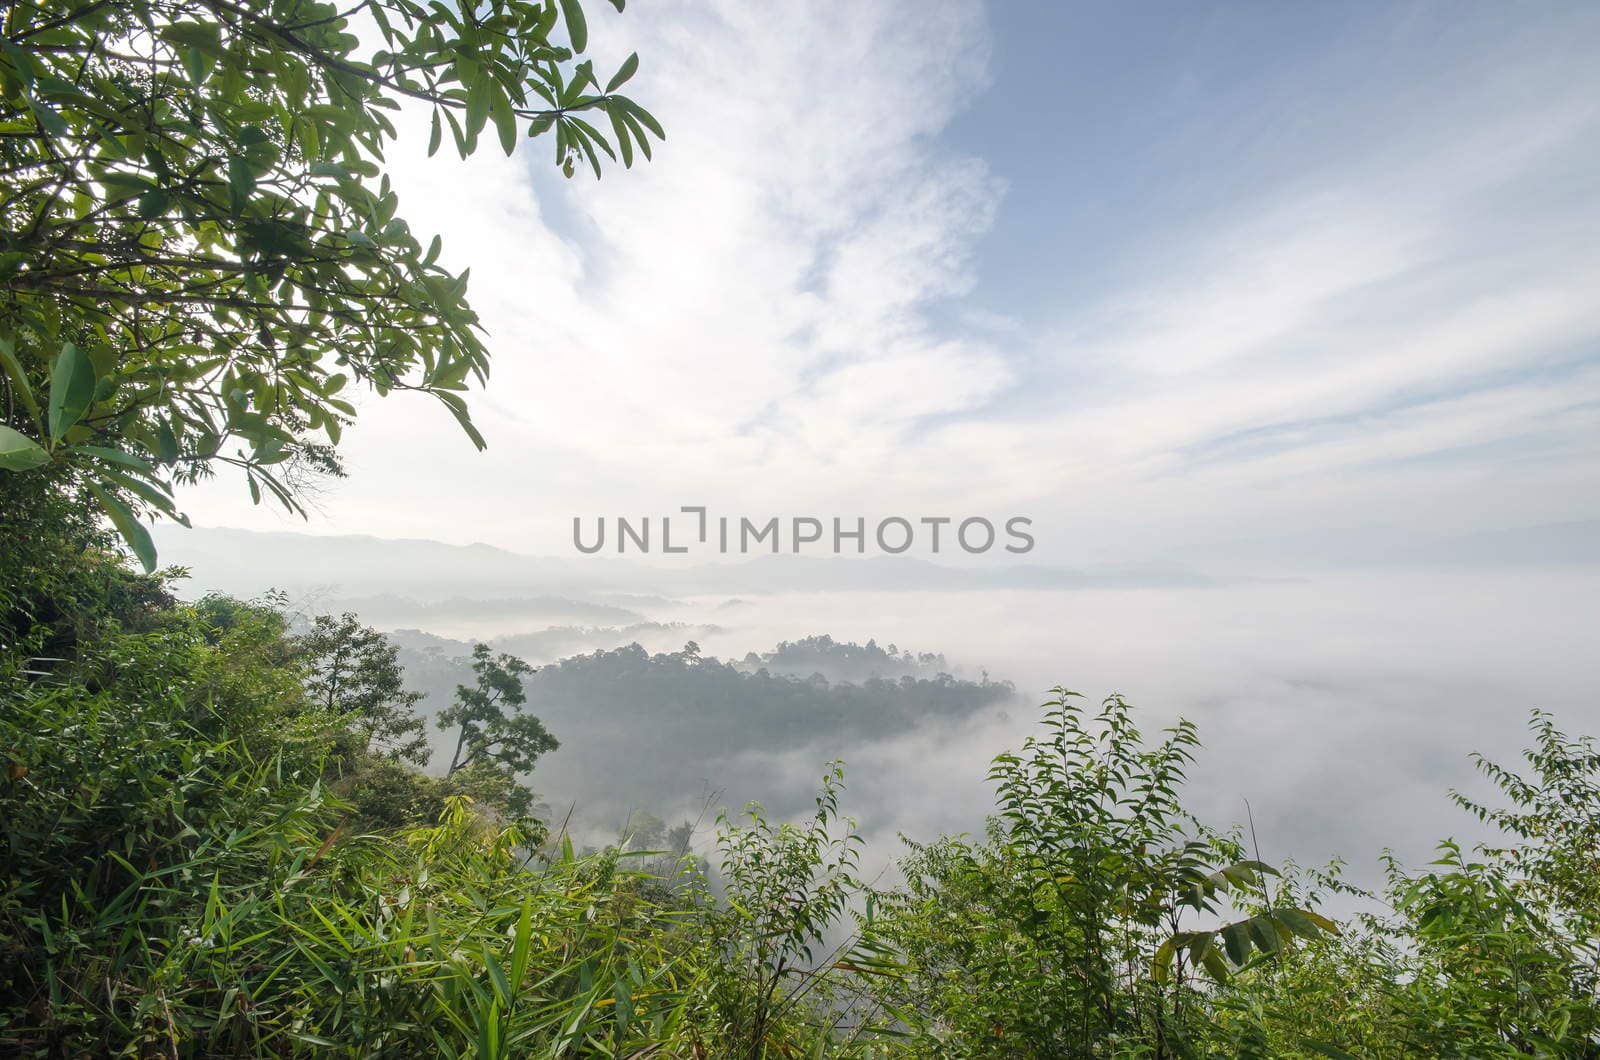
644 730
836 661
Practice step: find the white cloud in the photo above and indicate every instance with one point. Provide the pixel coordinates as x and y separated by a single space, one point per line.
770 315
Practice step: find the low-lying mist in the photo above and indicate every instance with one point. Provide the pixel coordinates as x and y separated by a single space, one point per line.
1342 704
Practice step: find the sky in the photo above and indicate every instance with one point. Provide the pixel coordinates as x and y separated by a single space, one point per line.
1232 283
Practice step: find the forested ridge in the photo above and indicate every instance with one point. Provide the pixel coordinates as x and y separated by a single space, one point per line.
664 730
228 831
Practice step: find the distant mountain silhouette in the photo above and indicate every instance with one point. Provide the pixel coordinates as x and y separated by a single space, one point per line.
359 566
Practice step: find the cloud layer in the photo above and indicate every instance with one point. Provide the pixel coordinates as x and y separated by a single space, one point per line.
779 314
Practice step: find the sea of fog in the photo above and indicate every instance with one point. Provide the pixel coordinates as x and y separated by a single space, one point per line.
1344 705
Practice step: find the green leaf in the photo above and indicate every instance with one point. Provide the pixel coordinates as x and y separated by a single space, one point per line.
18 452
19 379
153 204
312 1039
197 64
202 36
481 91
128 525
1215 964
629 67
577 28
153 492
1236 940
635 128
458 409
241 182
647 118
497 977
53 123
520 947
620 128
1267 934
126 185
435 134
166 443
21 61
1161 966
1331 927
505 121
1306 924
71 389
115 456
457 134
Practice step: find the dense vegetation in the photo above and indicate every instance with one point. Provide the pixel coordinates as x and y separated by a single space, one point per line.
217 837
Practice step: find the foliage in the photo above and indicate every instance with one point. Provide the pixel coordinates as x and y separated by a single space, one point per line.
60 586
787 884
1070 931
355 674
1551 825
1485 953
202 249
495 737
194 895
666 853
178 878
149 752
846 661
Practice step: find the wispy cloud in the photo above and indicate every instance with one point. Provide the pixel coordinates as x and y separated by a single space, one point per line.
778 312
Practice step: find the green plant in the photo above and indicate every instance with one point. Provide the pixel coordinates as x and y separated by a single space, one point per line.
495 737
355 675
1070 931
202 248
177 878
787 885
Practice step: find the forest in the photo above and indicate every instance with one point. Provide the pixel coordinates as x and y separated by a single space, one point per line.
233 830
687 724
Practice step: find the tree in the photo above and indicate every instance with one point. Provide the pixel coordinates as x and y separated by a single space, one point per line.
355 673
493 730
201 249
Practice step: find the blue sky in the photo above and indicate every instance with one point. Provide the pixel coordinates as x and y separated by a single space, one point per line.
1166 277
1134 131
